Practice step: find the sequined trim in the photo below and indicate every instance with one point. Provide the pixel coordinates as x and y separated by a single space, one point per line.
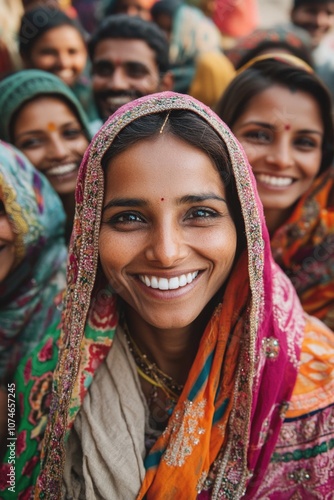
184 429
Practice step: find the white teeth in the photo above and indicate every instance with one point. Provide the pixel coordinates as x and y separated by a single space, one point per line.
168 284
274 181
61 169
65 73
118 101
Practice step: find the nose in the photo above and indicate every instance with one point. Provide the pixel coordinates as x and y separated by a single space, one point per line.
281 154
167 245
321 19
63 61
118 80
57 149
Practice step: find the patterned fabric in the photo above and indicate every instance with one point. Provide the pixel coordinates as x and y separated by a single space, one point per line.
192 34
304 248
27 294
229 418
243 316
287 36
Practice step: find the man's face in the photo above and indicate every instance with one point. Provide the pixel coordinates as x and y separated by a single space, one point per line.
316 18
123 70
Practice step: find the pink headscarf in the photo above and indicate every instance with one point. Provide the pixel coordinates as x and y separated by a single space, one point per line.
270 329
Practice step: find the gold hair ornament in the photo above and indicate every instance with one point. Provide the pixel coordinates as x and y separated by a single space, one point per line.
164 123
287 58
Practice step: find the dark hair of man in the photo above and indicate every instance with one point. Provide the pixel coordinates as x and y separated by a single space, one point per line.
133 28
263 75
299 3
192 129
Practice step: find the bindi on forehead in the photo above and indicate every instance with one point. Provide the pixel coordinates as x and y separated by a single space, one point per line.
162 199
51 127
287 126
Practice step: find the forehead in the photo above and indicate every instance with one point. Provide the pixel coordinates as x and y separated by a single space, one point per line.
162 164
280 104
61 35
43 109
125 50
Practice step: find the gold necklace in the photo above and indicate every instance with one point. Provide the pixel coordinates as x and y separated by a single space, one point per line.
150 372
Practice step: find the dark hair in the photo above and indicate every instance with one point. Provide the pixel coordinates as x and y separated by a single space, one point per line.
299 3
132 27
194 130
301 51
264 74
37 21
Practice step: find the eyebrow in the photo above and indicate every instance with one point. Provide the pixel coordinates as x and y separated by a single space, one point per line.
139 202
272 127
41 131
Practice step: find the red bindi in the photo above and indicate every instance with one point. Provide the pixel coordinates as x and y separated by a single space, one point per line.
287 127
162 199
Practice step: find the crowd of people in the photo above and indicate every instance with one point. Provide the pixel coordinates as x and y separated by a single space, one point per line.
167 251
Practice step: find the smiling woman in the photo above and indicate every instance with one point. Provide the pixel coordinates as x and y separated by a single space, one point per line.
42 117
180 371
282 115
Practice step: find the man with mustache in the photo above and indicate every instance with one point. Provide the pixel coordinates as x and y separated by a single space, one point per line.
129 59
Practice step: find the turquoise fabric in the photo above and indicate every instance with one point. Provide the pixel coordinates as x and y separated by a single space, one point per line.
28 293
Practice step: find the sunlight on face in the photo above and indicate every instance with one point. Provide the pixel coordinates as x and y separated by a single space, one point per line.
50 135
282 133
167 240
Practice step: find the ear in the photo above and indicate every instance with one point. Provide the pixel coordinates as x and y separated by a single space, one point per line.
167 82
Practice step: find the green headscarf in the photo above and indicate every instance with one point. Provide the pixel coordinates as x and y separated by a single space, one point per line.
27 84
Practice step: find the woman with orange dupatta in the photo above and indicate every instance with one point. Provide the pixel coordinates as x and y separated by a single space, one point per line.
181 370
282 115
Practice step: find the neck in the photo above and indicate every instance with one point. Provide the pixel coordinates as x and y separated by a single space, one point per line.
173 351
276 218
68 201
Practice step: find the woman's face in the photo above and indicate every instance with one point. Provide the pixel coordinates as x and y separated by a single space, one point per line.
7 249
50 135
167 239
282 133
60 51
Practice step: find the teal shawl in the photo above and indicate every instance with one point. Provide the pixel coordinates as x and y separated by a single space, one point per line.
27 295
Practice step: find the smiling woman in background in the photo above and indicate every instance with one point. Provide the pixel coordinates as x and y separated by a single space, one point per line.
51 41
42 117
32 257
282 115
187 366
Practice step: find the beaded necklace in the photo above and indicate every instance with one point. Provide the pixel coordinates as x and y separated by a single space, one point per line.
150 372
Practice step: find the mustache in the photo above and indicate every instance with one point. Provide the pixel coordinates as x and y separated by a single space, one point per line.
105 94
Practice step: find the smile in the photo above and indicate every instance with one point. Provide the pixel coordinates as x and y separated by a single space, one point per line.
65 73
118 101
274 181
61 169
168 284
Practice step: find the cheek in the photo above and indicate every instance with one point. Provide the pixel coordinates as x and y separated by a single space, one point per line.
221 248
254 152
36 157
80 146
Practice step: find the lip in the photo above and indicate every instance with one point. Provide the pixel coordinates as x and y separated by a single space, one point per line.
169 294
